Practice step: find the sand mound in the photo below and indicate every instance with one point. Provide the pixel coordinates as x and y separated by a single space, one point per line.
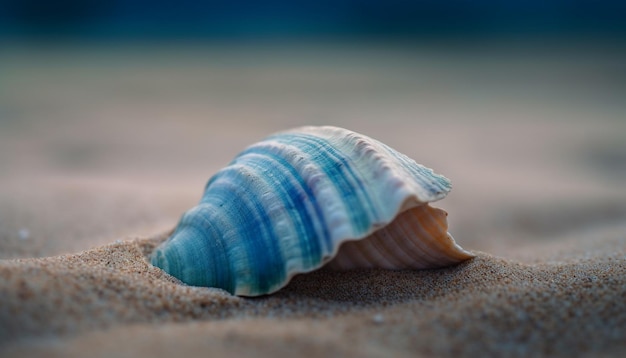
486 305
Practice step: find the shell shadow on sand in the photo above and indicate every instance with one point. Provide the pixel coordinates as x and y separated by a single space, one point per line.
365 287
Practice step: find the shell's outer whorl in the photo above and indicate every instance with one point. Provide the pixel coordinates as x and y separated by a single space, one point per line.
286 204
416 239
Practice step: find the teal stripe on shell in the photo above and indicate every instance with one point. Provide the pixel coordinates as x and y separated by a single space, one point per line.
284 205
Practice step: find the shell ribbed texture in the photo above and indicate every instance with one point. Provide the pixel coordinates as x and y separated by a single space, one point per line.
418 238
286 204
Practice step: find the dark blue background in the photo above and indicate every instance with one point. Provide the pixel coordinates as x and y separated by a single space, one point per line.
145 19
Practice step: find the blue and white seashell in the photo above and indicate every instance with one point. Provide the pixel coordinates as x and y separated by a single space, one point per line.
305 198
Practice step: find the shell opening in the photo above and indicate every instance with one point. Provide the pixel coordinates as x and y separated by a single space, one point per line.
416 239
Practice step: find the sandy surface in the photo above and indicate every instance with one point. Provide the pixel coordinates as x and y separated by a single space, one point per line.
103 149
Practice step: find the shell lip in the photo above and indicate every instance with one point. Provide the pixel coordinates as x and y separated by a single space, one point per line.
460 249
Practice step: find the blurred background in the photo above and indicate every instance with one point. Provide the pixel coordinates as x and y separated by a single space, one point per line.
113 115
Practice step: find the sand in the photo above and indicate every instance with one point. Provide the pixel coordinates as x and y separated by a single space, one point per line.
538 197
486 306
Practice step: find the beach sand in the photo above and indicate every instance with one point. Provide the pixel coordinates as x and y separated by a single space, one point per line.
104 155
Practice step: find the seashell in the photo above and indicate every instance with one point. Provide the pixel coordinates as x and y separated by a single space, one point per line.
307 198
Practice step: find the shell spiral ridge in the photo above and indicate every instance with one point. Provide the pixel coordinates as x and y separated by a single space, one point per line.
286 204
